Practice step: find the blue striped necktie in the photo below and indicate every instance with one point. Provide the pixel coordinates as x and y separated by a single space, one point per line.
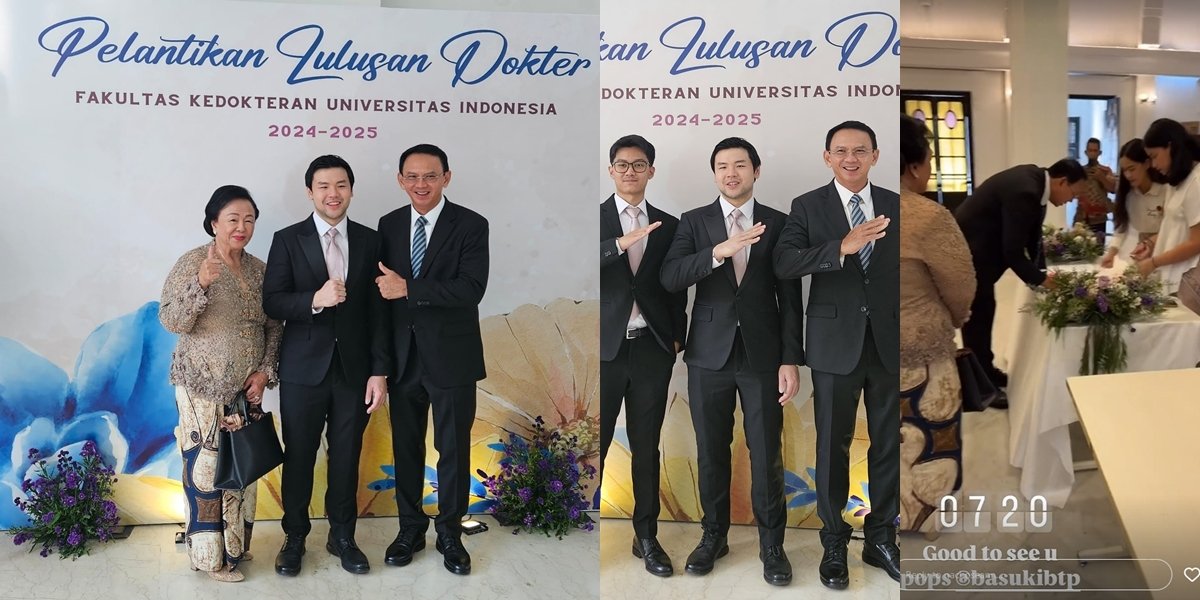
858 218
418 246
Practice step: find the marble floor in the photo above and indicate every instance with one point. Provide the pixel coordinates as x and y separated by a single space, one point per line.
736 576
149 565
1089 519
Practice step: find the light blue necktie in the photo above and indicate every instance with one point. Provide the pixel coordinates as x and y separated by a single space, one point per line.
418 246
858 218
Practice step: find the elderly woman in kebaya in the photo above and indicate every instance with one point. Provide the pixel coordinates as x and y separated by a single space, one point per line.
213 300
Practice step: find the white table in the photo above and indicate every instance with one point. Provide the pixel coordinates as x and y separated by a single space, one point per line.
1039 405
1142 427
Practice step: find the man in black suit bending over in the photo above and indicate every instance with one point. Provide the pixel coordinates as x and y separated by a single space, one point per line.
745 341
435 270
642 329
839 234
333 360
1002 222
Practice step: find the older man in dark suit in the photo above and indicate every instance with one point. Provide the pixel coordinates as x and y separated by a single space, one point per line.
1002 222
334 358
641 330
745 342
837 233
435 271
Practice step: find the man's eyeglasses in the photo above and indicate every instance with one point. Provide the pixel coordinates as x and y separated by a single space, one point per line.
859 153
430 178
638 166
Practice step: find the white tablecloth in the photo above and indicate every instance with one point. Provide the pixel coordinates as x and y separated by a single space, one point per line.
1039 405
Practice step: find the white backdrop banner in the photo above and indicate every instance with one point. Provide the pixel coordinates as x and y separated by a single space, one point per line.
779 74
119 119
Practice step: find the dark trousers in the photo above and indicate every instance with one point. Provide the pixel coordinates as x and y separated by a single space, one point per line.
713 396
638 377
336 406
453 413
835 408
977 331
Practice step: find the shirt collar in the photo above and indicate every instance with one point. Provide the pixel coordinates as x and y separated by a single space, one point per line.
432 216
323 227
1046 192
747 208
845 194
622 204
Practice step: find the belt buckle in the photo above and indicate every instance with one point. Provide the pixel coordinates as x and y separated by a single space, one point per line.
631 334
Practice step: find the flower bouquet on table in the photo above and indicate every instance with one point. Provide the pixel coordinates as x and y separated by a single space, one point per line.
68 503
1104 304
1077 244
540 484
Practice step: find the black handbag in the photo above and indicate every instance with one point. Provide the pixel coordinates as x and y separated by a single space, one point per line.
978 391
248 453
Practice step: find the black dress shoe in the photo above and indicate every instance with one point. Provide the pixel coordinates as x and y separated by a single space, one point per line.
776 568
712 546
833 567
886 556
657 561
1000 402
353 559
454 555
288 560
408 542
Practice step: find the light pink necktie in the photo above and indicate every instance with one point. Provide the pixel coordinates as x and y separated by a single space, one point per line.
739 259
636 251
335 261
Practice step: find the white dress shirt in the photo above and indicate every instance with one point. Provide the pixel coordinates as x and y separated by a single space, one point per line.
867 206
430 220
747 221
343 242
627 225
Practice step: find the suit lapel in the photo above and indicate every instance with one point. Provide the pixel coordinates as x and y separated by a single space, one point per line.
835 212
611 220
441 230
355 261
404 235
758 253
310 243
657 242
714 223
888 247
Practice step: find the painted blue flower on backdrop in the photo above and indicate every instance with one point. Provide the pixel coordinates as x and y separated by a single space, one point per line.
119 396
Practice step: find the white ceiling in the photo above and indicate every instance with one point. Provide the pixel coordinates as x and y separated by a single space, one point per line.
1092 22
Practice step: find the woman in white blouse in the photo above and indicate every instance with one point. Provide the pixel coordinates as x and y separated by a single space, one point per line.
1177 248
1139 205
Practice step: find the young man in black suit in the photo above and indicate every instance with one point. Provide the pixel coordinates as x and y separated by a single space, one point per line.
333 360
1002 222
435 271
642 329
844 234
745 341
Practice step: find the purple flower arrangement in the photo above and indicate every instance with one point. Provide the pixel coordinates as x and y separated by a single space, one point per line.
540 483
1077 244
1105 305
67 503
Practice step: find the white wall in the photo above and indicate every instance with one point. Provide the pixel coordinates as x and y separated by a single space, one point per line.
988 109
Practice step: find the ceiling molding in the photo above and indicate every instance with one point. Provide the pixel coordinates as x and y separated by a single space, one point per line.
927 53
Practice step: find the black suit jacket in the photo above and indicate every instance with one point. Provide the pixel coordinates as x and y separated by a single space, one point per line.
843 298
441 311
356 327
665 312
769 310
1002 222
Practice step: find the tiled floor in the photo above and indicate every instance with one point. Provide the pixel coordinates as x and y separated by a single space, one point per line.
738 575
150 565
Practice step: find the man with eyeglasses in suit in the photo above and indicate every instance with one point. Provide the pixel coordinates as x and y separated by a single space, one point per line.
641 331
838 234
435 271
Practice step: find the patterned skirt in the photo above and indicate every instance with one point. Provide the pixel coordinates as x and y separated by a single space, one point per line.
219 522
930 441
